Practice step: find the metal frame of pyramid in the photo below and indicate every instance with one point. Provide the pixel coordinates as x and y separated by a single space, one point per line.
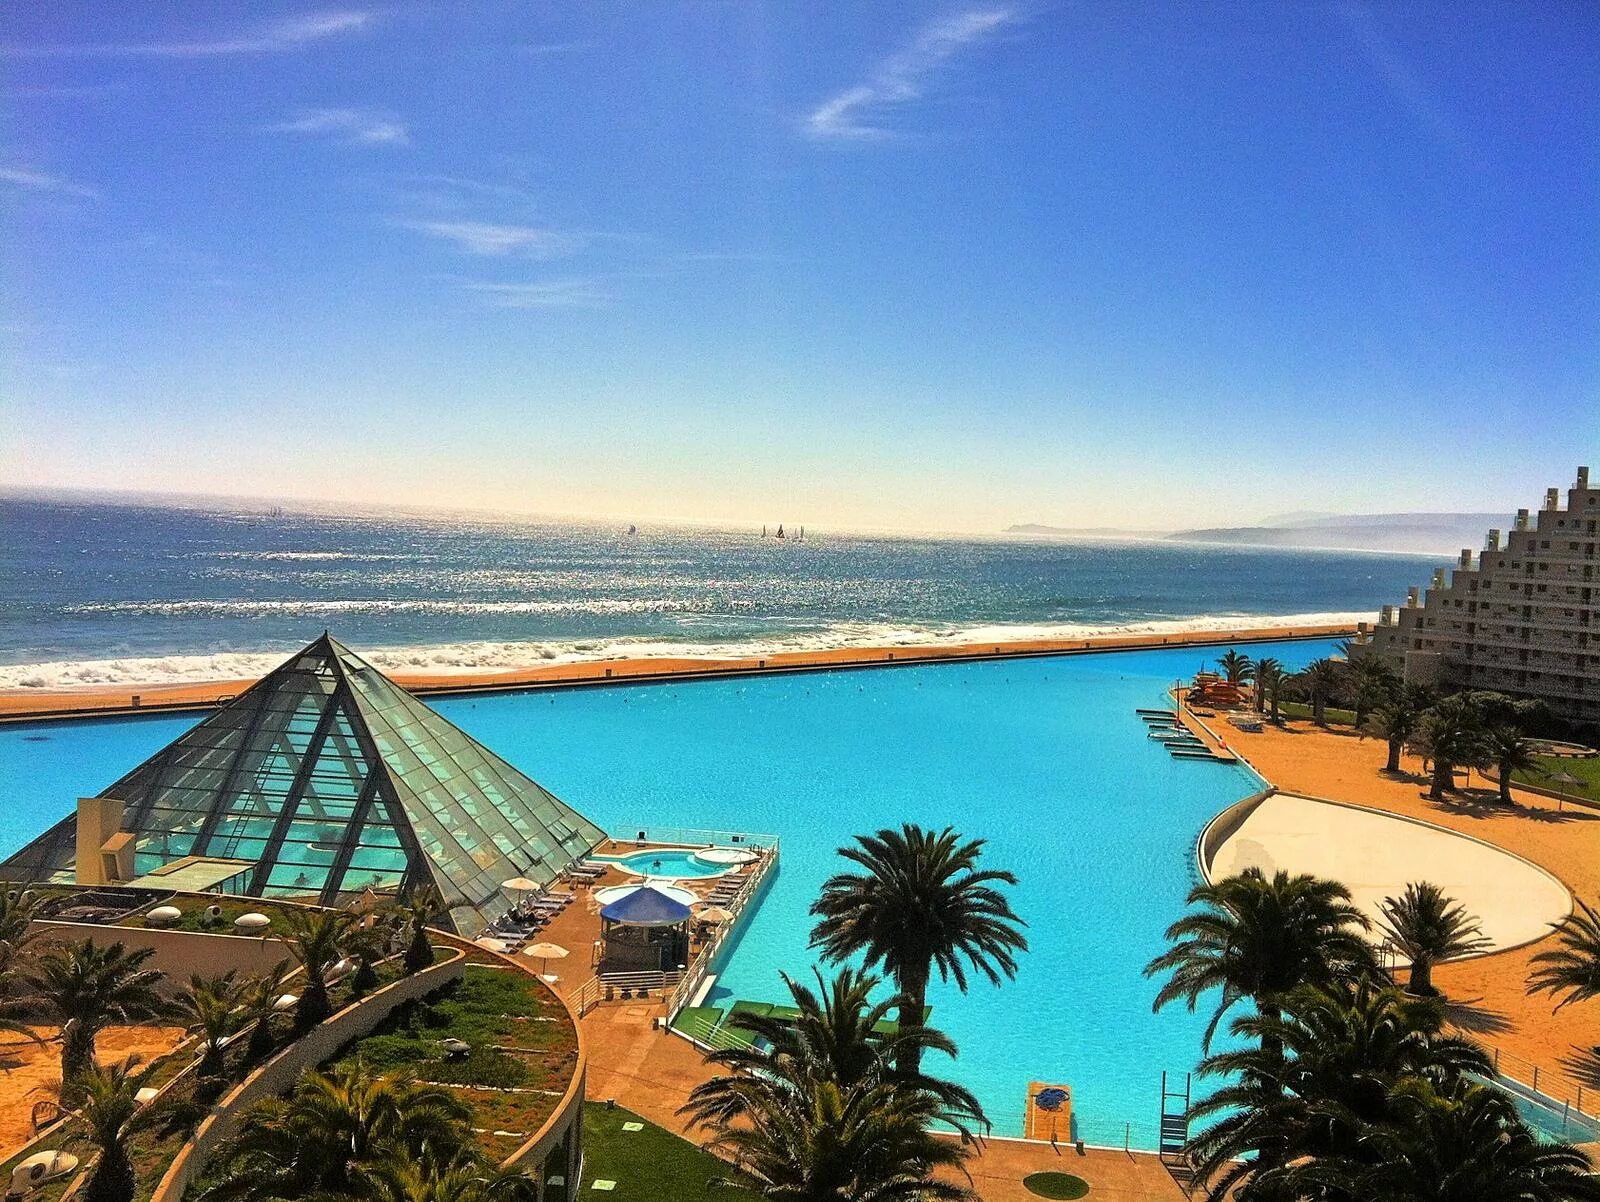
331 780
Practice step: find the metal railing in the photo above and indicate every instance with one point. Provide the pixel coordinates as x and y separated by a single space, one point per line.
1555 1089
688 836
700 967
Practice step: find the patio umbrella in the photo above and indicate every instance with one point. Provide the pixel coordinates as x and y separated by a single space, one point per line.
714 914
519 884
1565 779
546 952
490 943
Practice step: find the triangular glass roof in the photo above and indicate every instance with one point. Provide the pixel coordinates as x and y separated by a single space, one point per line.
331 779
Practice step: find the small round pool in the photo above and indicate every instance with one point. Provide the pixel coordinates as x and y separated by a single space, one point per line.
672 864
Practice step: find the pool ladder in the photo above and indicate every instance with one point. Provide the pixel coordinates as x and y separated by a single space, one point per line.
1174 1141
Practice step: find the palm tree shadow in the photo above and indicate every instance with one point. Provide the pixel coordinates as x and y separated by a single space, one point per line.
1475 1018
1583 1065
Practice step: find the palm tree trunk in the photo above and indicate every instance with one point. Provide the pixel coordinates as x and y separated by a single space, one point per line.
261 1041
314 1006
1319 710
1444 779
1505 784
913 1000
1421 982
1395 746
113 1178
77 1052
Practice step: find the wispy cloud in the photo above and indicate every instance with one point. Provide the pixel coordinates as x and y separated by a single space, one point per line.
352 126
857 113
289 34
489 238
572 293
43 181
541 49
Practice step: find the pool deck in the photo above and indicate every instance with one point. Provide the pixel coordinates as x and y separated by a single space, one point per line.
23 704
1488 993
1375 854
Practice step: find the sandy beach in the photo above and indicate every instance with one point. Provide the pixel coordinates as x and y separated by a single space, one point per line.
127 698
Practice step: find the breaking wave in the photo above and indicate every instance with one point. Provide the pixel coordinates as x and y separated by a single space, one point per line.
477 658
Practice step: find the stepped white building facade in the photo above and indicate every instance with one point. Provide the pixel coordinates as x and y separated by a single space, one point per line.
1520 617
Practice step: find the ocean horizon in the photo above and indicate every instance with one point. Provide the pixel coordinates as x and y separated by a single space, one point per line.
100 592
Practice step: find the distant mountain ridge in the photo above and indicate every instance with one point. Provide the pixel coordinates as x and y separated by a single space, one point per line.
1422 533
1415 533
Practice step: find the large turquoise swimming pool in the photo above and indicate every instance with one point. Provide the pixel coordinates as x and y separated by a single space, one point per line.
1044 758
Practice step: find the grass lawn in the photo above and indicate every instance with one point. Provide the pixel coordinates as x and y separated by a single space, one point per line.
652 1165
1334 715
524 1048
1587 771
194 918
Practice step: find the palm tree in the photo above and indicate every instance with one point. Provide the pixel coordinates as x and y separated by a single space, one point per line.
1451 734
1270 677
1395 719
1236 667
259 999
1573 968
87 988
465 1179
1428 927
1510 752
1344 1050
820 1109
834 1036
366 945
420 908
108 1115
1464 1144
1258 938
17 907
212 1006
921 903
336 1134
1320 679
316 943
1376 681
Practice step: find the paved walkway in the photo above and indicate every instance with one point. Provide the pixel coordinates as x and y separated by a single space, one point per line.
1377 854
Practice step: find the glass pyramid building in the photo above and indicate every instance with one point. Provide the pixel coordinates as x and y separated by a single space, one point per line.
326 779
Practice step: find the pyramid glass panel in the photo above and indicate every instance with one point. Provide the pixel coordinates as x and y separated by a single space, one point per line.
328 779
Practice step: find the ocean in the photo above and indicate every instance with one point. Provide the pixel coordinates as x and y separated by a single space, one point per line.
100 593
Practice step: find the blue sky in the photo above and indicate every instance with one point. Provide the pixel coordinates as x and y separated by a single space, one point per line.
935 266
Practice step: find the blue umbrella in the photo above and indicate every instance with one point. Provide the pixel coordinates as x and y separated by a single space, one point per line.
1052 1098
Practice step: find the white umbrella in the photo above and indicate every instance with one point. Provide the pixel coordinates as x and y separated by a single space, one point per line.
519 884
546 952
714 914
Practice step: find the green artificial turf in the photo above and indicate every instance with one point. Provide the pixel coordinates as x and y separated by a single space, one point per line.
652 1165
1056 1185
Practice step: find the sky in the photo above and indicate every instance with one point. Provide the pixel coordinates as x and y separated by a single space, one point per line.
945 267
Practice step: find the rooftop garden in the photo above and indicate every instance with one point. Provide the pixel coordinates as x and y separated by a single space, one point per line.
124 1137
520 1050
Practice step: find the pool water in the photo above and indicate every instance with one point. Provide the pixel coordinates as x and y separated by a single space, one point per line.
672 865
1044 758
